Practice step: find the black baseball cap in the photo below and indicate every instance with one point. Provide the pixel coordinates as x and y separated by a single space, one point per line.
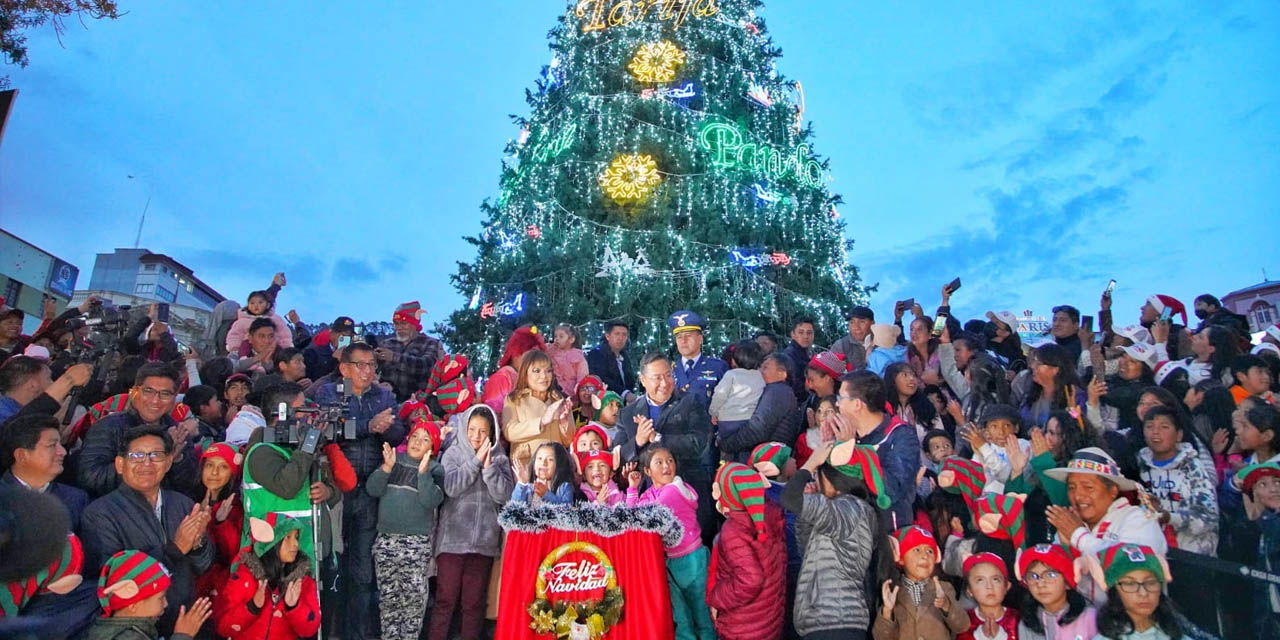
12 311
343 325
862 313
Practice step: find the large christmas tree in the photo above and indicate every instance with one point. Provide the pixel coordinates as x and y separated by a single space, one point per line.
666 165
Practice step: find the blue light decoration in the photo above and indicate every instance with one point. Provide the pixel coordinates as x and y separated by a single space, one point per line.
752 258
507 241
515 306
553 74
672 93
769 196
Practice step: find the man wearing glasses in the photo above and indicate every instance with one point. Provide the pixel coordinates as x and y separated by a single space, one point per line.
372 409
142 515
151 402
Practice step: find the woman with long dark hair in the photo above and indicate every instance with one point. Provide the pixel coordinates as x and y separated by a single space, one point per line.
987 386
1136 605
922 350
1214 348
220 478
1053 376
534 412
906 397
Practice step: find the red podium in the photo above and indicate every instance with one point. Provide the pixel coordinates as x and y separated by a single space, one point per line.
585 573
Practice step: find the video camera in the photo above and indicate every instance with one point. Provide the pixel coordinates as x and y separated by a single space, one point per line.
307 428
107 325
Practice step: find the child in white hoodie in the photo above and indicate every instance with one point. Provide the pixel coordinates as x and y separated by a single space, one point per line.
739 391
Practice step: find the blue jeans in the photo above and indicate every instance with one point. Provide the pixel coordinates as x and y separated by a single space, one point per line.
359 528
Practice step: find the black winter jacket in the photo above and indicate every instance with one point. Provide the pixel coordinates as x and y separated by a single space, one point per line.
776 419
96 472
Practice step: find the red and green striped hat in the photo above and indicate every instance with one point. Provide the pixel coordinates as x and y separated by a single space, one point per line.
861 461
446 369
963 476
742 489
1008 522
456 395
1121 559
60 577
769 458
130 576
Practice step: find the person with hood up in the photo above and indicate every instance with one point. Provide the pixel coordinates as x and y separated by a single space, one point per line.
885 349
478 481
271 595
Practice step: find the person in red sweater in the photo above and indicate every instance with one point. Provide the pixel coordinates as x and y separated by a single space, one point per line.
220 476
747 592
270 596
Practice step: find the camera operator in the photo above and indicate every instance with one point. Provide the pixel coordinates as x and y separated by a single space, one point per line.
151 401
151 339
29 388
372 409
279 477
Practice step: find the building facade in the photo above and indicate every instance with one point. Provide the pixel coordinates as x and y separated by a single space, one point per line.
29 275
140 278
1257 303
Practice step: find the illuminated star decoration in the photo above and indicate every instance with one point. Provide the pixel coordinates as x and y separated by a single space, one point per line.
657 62
630 178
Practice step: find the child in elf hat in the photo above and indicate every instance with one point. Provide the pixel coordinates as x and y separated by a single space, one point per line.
1136 607
986 580
748 593
131 590
409 489
687 560
607 405
839 522
587 388
1052 608
590 438
598 486
271 595
1261 489
773 461
920 605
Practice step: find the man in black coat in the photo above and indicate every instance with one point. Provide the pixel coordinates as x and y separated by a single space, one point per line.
776 418
676 421
31 454
610 361
799 352
164 524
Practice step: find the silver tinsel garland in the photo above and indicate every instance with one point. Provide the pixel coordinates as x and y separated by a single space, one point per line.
600 520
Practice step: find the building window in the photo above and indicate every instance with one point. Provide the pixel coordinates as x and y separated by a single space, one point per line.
190 287
1265 316
143 289
151 266
11 292
165 294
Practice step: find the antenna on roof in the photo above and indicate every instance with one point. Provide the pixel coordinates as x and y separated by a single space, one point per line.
137 240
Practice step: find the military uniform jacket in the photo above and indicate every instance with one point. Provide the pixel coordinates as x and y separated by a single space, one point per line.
701 379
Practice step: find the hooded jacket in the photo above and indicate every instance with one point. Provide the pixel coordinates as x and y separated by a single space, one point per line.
235 615
474 494
1185 489
239 331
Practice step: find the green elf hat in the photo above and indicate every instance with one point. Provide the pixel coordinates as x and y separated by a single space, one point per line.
741 488
1121 559
270 530
862 462
769 458
60 577
601 400
456 395
130 576
1251 474
1000 516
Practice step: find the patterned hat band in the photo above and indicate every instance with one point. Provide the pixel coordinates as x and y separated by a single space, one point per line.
1096 466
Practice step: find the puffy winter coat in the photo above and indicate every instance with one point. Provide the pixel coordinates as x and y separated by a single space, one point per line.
224 534
570 366
749 592
1184 487
236 616
775 419
239 331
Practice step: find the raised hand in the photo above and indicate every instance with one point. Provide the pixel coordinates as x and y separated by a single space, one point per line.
940 599
381 422
1064 520
602 494
1220 441
634 478
1097 389
388 458
644 430
189 622
292 593
1039 443
260 596
889 594
426 462
519 469
1017 456
973 436
540 487
818 457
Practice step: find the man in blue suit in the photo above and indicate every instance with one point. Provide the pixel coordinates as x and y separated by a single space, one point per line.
696 374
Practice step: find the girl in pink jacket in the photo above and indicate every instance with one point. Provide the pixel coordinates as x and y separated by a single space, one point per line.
570 365
260 305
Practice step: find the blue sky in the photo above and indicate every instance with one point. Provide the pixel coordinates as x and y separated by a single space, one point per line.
1034 151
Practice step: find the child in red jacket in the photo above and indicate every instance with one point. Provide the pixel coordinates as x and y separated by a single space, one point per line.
747 594
270 596
220 477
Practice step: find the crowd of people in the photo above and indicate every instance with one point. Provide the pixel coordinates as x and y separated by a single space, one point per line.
929 478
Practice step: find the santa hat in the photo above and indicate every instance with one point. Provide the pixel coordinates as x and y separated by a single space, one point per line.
59 577
521 340
602 399
590 428
409 406
227 453
1251 474
829 362
1121 559
862 462
457 395
410 312
446 369
769 458
1159 301
1053 556
127 577
963 476
742 489
589 381
270 529
1164 369
587 457
908 538
1000 516
986 557
433 430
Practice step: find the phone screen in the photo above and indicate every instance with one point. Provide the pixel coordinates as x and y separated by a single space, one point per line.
1086 323
1111 286
1166 314
162 312
344 341
939 324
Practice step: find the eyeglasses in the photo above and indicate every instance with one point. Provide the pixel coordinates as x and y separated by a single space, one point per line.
367 364
1047 576
660 376
138 457
841 396
152 394
1132 586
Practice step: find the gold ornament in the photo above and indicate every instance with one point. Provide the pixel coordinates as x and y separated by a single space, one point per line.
543 621
630 178
657 62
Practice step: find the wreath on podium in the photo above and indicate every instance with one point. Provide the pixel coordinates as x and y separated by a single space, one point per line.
576 569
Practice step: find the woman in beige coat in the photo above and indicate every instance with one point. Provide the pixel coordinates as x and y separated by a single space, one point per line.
535 413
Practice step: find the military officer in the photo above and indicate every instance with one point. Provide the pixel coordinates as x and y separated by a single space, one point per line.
695 372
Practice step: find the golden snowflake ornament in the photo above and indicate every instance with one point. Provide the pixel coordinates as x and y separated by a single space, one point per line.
630 178
657 62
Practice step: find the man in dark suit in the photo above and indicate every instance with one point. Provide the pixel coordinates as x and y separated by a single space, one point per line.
31 456
799 352
677 421
610 361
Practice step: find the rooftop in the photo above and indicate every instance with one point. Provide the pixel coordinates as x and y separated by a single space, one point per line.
1265 285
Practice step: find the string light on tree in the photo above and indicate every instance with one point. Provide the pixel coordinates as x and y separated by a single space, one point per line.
619 264
657 62
630 178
